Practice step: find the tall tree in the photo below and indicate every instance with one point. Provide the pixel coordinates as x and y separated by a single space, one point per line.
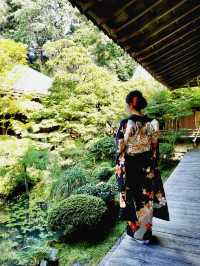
35 22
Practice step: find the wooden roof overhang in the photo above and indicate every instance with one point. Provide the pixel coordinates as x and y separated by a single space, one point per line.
161 35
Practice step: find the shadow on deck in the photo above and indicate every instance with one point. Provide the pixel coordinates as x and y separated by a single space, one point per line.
179 239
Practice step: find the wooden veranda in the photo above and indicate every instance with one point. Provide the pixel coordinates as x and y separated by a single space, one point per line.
179 239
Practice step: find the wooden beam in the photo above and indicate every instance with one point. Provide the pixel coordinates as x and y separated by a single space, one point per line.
188 59
181 78
167 45
178 70
180 52
172 21
157 2
98 21
184 69
86 6
179 64
137 54
191 76
170 51
180 57
118 12
174 40
135 33
89 5
197 67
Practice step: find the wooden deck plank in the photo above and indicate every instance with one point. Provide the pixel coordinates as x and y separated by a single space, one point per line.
179 238
131 253
177 229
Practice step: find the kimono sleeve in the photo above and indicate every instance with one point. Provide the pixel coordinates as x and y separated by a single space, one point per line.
119 157
155 136
160 207
119 141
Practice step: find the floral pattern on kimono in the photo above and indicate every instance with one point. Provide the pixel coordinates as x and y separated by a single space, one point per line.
138 175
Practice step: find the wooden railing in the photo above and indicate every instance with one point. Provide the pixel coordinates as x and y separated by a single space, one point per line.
183 133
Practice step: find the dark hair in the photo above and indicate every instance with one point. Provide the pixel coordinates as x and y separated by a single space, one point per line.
141 104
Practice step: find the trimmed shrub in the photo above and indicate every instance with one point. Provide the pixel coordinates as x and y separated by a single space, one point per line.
77 215
103 190
103 148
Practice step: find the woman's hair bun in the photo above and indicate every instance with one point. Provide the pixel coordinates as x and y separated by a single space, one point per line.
141 104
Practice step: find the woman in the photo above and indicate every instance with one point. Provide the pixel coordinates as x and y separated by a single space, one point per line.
141 191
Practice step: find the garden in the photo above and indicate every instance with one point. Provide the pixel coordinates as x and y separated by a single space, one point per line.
58 193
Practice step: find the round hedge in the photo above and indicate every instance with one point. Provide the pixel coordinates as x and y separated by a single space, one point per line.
102 190
77 214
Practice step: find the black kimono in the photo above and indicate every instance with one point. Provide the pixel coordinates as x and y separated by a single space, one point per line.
140 186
